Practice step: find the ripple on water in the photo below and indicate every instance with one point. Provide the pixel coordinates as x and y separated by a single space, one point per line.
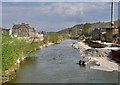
57 64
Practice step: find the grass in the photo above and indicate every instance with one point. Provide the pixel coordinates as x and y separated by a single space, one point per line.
12 49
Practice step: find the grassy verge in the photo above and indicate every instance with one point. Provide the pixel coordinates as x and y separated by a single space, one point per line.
13 48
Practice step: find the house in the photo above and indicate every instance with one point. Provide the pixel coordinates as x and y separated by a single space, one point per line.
40 35
23 30
32 32
4 31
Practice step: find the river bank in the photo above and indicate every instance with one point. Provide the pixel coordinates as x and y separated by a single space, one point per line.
9 74
101 58
57 64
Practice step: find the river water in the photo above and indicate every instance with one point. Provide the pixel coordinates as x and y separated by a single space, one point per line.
57 64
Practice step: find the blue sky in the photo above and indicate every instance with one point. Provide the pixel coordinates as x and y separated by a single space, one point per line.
51 16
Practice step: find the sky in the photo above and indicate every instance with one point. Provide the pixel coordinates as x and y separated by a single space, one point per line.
55 16
59 0
0 13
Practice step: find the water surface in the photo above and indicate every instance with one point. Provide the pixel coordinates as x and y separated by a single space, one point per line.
57 64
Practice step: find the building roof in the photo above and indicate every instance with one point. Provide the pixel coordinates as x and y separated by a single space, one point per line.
4 29
17 26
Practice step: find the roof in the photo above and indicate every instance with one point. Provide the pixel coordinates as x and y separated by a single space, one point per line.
17 26
33 29
4 29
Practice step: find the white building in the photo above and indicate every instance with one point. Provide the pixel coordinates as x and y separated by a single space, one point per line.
40 36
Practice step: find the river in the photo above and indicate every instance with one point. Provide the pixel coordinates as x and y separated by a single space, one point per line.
57 64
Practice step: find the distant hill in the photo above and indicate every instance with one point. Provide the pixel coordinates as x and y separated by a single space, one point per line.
68 30
86 28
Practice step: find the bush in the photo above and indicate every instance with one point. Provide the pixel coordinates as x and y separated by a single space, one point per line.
86 27
53 38
12 49
46 40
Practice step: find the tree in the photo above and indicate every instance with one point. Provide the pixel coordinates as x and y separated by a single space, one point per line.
86 28
74 32
46 39
54 38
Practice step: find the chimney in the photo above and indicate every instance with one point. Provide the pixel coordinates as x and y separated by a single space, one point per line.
112 14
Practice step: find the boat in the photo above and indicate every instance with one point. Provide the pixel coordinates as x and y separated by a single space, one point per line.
116 55
94 44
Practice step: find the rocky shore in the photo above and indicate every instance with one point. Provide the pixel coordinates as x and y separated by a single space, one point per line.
99 57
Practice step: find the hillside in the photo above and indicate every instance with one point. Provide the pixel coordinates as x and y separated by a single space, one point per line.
86 28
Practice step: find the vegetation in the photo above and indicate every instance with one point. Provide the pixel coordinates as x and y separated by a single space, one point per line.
12 49
86 27
63 37
74 32
46 39
53 38
0 52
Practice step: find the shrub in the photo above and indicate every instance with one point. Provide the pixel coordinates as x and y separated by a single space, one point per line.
53 38
12 49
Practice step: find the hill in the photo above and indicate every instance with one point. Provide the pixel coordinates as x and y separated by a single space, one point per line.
85 29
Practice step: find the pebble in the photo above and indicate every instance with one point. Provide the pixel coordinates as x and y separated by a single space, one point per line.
98 56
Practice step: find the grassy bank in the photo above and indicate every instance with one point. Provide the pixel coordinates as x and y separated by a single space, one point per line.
13 48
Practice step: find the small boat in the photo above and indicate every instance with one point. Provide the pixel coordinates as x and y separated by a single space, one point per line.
116 55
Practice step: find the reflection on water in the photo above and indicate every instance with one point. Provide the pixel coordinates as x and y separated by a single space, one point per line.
57 64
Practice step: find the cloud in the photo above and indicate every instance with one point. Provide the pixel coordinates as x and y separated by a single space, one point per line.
0 14
62 9
55 16
59 0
